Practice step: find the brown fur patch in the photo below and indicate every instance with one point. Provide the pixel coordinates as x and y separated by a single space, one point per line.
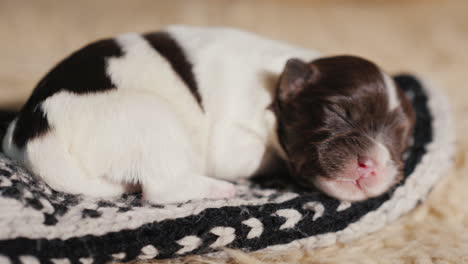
336 114
167 47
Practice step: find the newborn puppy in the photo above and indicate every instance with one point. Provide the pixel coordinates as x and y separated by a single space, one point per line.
183 111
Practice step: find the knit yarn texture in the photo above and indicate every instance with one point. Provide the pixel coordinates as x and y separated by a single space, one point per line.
40 225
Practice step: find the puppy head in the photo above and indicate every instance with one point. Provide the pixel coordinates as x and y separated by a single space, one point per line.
344 125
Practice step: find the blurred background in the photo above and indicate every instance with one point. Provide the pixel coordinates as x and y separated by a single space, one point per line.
416 35
429 37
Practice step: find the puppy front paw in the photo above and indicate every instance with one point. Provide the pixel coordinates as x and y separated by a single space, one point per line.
192 188
221 190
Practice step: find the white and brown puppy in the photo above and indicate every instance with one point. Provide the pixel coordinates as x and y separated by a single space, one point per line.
182 110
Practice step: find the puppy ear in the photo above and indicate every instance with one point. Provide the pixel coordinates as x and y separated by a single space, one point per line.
296 75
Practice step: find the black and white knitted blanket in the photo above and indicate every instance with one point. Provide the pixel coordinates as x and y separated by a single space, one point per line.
39 225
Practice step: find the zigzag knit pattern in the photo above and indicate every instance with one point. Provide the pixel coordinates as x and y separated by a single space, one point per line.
39 225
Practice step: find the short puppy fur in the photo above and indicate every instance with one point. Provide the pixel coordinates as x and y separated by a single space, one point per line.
183 111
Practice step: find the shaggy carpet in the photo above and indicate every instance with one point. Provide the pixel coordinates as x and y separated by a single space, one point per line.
427 37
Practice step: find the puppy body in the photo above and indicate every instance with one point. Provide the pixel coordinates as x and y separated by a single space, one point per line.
178 112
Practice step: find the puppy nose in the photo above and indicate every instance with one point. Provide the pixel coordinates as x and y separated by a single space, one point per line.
367 167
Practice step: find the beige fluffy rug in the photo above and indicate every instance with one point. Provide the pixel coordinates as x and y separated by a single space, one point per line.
428 37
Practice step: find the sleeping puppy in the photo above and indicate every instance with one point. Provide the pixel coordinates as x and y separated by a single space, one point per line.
185 110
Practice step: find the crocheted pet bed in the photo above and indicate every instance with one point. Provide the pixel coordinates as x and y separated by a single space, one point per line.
38 224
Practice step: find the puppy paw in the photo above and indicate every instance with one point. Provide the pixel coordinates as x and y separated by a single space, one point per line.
193 188
221 190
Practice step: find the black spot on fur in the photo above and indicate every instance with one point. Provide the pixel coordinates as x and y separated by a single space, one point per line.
30 125
173 53
82 72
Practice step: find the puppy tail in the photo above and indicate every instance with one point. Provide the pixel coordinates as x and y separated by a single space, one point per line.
6 116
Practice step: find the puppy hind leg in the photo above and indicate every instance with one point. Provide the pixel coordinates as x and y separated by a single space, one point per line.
51 160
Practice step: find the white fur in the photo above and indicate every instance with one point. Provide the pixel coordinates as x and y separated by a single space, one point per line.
393 101
151 131
234 71
346 189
